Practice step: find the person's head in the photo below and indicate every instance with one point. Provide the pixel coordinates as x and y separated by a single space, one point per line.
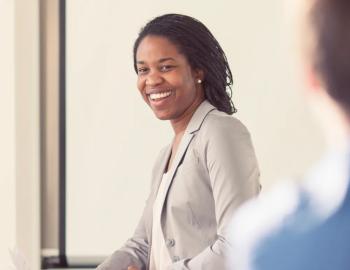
328 47
178 56
324 37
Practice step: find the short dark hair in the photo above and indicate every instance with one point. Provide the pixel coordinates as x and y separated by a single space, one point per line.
330 24
202 50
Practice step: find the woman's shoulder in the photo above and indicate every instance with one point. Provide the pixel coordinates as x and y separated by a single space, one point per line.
217 122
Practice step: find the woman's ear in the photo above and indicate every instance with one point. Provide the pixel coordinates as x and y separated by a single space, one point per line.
311 79
199 75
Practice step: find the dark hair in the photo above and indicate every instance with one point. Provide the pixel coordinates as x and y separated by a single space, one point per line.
330 24
195 41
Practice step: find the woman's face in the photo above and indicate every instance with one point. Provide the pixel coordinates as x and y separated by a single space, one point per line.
166 80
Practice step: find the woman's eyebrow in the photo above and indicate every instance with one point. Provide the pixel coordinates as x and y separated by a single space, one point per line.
166 59
141 62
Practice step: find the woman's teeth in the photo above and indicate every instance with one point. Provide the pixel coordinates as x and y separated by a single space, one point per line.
160 95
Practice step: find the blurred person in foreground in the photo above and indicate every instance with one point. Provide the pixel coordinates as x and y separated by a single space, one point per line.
307 226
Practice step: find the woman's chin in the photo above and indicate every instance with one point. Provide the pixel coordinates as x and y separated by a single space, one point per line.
162 116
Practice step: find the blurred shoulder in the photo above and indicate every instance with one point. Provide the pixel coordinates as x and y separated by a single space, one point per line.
260 217
267 211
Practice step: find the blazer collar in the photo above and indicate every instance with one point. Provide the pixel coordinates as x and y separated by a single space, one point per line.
194 125
198 117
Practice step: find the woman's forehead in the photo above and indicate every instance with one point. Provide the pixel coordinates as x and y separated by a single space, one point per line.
157 48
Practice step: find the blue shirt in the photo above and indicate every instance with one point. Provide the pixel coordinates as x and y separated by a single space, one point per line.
308 242
298 227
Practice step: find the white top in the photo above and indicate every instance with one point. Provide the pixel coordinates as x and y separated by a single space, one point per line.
160 258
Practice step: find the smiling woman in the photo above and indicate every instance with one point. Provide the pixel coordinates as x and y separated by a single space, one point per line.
166 80
209 168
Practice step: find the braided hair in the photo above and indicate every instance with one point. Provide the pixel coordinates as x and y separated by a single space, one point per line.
194 40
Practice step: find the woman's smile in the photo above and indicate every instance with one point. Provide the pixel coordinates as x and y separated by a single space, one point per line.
160 98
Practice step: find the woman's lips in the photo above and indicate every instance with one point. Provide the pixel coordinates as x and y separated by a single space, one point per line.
159 95
159 99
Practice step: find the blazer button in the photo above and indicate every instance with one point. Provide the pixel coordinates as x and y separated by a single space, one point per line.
176 258
170 242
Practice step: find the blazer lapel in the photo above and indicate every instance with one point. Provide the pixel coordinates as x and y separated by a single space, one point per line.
185 141
161 169
195 124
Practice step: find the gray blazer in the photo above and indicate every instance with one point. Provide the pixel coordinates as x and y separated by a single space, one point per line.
214 171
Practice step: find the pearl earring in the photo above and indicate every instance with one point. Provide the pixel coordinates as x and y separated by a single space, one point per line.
199 81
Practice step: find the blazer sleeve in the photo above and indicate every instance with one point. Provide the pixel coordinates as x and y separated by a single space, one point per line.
136 250
228 153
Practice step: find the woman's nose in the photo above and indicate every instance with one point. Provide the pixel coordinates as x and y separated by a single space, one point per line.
154 78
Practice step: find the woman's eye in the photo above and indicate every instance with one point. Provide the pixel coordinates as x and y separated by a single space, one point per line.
166 68
142 70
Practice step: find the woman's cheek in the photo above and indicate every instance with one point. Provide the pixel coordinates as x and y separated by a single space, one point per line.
145 98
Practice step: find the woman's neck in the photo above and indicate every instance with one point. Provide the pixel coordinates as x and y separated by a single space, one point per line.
180 124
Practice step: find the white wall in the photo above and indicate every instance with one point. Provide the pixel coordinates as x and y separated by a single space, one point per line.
7 132
19 131
113 137
27 132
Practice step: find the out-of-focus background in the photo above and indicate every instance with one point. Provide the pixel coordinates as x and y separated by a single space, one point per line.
75 168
